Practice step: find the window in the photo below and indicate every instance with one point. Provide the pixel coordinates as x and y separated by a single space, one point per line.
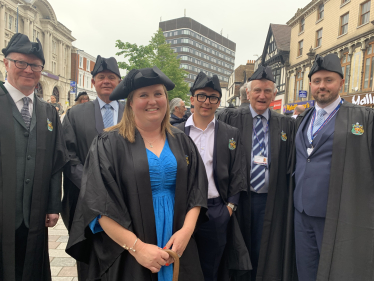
54 67
345 1
299 84
321 10
318 38
344 24
365 12
88 65
184 40
80 80
54 47
271 46
369 68
302 25
87 82
300 52
277 76
10 22
81 62
346 67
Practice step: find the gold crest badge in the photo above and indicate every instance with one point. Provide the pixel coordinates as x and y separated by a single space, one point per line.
187 160
232 144
50 126
357 129
283 136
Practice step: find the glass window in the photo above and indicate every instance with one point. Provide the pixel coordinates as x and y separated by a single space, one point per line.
346 67
300 52
319 38
321 11
88 65
302 25
344 24
365 12
369 69
10 22
81 62
298 84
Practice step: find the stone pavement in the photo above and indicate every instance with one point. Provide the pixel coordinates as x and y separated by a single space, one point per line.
63 267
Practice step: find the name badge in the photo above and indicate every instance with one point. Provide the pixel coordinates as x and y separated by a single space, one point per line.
260 160
309 151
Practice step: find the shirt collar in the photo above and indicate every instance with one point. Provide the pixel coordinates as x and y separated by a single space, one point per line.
330 108
190 122
254 113
15 93
114 104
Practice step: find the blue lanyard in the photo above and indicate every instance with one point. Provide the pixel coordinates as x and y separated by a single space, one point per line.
260 143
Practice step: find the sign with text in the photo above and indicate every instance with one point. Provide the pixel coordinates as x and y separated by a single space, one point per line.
73 83
303 94
277 104
288 108
365 99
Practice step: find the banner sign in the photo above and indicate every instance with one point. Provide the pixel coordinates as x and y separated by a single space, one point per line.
288 108
303 94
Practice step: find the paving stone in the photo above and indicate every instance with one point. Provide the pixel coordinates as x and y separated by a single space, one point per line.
63 239
51 259
53 245
58 253
62 278
53 238
59 226
68 271
75 279
58 232
62 246
55 270
63 262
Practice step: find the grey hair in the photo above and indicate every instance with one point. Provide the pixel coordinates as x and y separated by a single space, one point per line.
249 86
243 93
174 103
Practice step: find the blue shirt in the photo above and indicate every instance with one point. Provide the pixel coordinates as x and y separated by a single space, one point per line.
115 106
265 120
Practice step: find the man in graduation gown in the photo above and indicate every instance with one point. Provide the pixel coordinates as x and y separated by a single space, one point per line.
334 176
32 153
81 125
265 214
223 154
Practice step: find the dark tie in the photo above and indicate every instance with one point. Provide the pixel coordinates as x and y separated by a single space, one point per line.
25 112
108 116
258 148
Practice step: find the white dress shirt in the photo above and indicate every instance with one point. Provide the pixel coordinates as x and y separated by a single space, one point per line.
17 97
204 141
115 107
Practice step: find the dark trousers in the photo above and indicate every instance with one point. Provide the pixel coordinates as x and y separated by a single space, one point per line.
211 238
308 239
22 233
258 205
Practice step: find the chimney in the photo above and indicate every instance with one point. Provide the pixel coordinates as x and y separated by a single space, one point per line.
248 62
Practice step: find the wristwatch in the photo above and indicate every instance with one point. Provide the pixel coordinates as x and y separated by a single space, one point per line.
232 206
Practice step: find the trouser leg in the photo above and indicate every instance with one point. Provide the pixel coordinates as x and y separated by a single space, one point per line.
20 249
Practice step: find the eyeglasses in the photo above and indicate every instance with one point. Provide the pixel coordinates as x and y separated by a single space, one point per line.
23 65
212 99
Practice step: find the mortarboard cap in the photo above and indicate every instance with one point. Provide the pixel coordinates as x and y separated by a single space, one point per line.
106 64
80 94
262 72
330 62
20 43
204 81
139 78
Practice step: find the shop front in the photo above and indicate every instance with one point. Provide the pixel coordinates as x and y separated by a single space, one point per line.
288 108
276 106
363 99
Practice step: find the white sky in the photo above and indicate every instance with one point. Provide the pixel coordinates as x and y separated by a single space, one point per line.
97 24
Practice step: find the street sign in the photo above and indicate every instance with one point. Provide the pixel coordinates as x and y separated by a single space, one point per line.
72 91
72 84
303 94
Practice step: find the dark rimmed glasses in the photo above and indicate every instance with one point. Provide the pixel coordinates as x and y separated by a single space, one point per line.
23 65
212 99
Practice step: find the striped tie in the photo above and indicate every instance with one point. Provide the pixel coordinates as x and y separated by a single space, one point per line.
25 112
258 171
317 123
108 116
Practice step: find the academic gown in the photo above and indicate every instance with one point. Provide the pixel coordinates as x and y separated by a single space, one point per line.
230 177
277 254
116 184
51 156
347 251
81 125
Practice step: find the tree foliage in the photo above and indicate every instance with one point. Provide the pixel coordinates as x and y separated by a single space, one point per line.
156 53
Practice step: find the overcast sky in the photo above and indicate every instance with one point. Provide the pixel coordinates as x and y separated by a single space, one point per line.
97 24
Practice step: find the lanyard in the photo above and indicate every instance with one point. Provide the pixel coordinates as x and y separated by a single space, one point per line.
260 143
332 114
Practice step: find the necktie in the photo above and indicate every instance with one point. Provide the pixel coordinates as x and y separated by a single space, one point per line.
317 123
258 171
25 112
108 116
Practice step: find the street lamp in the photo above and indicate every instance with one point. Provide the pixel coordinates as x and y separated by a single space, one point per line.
77 70
17 13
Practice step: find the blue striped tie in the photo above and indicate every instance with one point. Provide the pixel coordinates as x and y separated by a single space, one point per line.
25 112
317 123
108 116
258 171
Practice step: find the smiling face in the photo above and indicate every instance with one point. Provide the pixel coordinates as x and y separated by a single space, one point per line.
24 80
261 94
205 109
104 83
149 105
325 87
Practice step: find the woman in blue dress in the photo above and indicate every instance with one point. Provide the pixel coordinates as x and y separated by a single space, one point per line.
144 188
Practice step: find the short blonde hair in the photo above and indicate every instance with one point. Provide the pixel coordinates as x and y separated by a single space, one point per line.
126 127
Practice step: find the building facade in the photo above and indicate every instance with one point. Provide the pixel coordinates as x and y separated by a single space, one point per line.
38 20
341 27
200 48
81 66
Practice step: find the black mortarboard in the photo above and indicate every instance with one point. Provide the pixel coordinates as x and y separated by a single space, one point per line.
139 78
330 62
106 64
262 72
80 94
204 81
20 43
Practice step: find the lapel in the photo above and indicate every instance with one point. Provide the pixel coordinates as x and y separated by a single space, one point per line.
34 117
16 114
121 109
216 129
299 134
247 130
323 135
98 117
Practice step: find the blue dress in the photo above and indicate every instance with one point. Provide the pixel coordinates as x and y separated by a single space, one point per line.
163 174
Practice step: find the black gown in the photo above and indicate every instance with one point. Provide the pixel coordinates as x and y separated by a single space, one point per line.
51 156
347 251
277 254
116 184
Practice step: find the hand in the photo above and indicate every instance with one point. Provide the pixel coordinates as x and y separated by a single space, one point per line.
179 242
57 108
230 210
150 256
51 220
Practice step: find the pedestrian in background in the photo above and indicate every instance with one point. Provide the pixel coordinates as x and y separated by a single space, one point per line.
244 102
298 110
57 105
82 98
177 111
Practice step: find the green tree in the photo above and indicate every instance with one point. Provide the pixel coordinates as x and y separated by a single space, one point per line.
156 53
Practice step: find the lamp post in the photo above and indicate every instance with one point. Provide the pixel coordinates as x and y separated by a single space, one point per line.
17 14
76 82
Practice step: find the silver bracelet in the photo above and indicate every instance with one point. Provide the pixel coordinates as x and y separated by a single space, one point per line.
132 248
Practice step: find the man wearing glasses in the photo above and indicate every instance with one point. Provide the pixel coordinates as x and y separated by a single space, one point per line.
222 152
32 153
265 214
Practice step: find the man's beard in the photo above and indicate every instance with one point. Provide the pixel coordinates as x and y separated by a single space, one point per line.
328 97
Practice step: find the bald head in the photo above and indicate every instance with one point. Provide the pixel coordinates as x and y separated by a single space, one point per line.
299 109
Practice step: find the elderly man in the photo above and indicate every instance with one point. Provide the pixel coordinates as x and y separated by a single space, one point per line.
57 105
334 176
32 154
265 214
177 111
298 110
81 125
244 102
